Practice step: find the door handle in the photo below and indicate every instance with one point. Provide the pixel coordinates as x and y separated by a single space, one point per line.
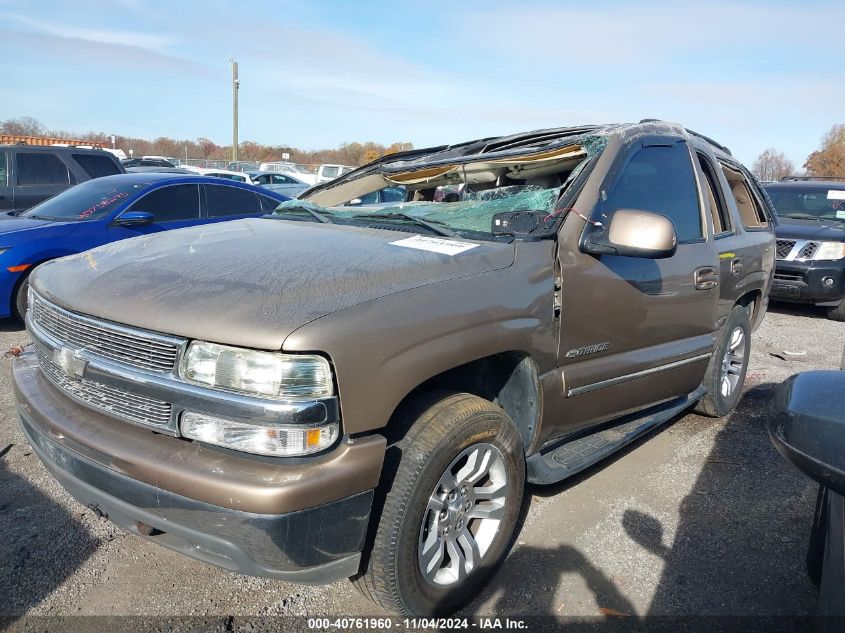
706 278
736 266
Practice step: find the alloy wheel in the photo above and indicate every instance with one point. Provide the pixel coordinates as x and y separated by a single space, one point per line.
463 515
732 363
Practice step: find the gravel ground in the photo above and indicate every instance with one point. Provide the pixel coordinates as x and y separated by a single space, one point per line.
700 517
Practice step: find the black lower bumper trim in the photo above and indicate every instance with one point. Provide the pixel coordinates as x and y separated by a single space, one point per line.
314 546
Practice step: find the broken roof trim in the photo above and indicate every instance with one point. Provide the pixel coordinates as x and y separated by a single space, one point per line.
492 149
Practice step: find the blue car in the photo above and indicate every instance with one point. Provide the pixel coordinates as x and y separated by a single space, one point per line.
114 208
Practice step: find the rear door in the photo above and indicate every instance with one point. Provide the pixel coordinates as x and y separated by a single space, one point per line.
172 206
6 191
748 259
636 331
38 176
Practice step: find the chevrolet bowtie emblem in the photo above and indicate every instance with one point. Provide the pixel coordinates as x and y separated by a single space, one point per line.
69 362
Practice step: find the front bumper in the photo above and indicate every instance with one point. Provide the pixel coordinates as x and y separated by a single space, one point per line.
803 282
257 530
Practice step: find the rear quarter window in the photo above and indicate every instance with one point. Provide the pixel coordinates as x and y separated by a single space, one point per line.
751 210
97 166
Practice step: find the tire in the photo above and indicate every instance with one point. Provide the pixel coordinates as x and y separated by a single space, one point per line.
728 365
443 428
837 313
20 305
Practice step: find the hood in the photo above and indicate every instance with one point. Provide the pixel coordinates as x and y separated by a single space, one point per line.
795 229
250 282
14 223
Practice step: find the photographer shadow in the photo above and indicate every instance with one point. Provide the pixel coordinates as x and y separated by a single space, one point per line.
43 544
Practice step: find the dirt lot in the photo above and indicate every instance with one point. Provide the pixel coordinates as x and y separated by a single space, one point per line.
701 517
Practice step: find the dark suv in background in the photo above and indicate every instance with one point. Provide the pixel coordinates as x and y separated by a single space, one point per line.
30 174
810 242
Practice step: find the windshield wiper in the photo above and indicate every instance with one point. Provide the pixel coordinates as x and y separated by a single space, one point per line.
436 228
807 216
317 216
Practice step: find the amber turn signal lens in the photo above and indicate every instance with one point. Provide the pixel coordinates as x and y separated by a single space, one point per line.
313 437
18 269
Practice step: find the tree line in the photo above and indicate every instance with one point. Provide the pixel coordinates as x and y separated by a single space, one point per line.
771 164
353 153
828 160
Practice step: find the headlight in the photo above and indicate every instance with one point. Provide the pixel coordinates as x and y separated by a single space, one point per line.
275 440
830 250
270 374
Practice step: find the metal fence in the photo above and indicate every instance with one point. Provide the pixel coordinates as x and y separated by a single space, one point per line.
243 165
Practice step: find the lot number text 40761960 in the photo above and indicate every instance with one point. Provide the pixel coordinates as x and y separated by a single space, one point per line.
381 624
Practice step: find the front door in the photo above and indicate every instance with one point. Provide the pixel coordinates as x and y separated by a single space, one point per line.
172 207
636 331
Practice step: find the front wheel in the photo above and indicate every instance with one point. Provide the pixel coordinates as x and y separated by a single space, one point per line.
837 313
452 499
21 297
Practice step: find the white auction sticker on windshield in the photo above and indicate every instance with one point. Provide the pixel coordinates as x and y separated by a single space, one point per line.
835 194
435 245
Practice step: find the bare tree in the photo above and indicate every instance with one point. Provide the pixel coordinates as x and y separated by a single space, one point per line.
347 153
829 159
772 165
23 126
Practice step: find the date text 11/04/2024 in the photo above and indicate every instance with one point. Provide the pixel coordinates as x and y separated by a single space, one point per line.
416 623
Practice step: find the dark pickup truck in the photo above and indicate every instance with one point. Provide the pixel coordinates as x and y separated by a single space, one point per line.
363 391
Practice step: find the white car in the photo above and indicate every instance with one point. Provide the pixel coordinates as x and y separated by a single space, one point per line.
330 172
297 171
220 173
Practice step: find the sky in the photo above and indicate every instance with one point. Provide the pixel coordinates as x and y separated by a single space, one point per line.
314 74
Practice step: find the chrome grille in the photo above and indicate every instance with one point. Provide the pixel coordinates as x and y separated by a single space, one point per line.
809 250
784 248
136 348
116 402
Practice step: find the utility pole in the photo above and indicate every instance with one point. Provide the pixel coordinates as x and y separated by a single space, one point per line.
235 86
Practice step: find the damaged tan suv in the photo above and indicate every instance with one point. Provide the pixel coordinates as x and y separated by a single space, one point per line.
348 390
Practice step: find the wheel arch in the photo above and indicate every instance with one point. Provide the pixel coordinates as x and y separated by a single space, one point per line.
753 302
37 260
509 379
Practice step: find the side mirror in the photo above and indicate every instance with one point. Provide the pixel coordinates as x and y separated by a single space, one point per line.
354 202
633 233
134 218
808 425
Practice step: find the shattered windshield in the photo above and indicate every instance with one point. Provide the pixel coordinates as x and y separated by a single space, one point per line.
501 194
471 216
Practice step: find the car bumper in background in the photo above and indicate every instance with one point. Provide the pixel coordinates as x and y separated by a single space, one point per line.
822 283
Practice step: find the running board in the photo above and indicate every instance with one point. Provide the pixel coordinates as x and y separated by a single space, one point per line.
574 455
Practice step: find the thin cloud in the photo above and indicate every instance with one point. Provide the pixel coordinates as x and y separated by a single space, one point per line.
100 53
150 41
650 33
